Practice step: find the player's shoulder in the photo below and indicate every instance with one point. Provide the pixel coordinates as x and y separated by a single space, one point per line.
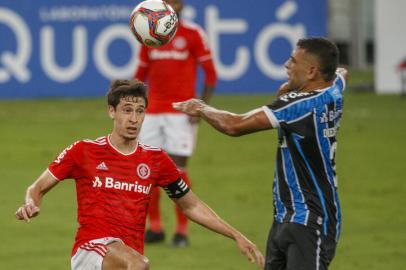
80 147
149 148
155 153
74 149
90 143
100 141
190 25
193 29
297 100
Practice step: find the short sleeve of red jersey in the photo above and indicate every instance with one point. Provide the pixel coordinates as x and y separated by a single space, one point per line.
64 165
200 45
201 50
168 173
170 178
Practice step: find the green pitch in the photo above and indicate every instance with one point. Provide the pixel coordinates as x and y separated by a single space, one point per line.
233 175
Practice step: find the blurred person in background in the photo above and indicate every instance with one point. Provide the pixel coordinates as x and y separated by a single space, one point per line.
171 74
306 114
114 175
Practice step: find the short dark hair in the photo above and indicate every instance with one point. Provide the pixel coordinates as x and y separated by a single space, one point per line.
125 88
326 52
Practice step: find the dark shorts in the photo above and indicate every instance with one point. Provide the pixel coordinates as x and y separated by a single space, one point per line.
293 246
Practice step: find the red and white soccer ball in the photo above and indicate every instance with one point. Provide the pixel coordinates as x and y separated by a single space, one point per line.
153 23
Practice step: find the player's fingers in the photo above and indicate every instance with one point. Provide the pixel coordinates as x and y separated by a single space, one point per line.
177 105
24 214
259 258
32 210
181 106
248 254
18 214
29 209
36 210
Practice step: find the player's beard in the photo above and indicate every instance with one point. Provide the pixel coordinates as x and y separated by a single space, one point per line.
293 84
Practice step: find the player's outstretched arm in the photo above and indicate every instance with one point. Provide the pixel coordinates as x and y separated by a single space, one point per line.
199 212
34 195
226 122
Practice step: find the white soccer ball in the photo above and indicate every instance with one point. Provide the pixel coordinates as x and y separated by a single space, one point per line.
153 22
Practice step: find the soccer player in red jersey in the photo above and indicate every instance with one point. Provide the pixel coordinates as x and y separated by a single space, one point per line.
114 177
171 72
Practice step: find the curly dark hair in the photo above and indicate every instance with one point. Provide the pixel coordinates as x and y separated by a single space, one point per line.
125 88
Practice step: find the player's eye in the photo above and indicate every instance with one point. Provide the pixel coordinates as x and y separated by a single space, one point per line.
127 110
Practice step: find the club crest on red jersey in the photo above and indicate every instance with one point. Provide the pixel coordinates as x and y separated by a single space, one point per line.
143 171
179 43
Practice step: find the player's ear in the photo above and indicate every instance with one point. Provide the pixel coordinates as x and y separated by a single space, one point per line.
111 111
312 72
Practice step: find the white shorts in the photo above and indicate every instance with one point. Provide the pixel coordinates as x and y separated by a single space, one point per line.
89 256
170 131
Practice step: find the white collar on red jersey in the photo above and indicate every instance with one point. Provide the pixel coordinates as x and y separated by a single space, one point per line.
124 154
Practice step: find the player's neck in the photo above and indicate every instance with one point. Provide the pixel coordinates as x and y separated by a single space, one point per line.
125 146
316 85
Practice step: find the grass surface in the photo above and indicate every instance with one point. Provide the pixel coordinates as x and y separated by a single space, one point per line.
233 175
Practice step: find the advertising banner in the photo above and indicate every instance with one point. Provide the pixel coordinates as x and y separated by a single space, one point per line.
75 48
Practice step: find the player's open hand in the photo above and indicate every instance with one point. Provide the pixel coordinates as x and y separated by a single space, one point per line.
27 211
250 251
190 106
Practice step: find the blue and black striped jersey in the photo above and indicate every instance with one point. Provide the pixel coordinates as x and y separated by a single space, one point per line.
305 183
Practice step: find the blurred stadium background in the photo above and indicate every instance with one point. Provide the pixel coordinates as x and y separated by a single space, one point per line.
56 61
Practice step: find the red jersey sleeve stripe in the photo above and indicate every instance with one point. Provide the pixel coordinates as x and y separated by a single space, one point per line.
210 72
204 58
53 175
142 64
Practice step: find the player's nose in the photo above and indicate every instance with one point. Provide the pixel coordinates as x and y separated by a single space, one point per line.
134 118
286 64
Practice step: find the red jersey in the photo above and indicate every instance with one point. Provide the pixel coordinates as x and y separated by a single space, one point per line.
171 70
113 189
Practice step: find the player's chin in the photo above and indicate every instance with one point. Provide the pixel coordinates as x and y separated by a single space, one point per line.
131 135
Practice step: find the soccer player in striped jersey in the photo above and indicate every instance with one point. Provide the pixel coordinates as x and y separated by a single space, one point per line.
114 176
306 114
